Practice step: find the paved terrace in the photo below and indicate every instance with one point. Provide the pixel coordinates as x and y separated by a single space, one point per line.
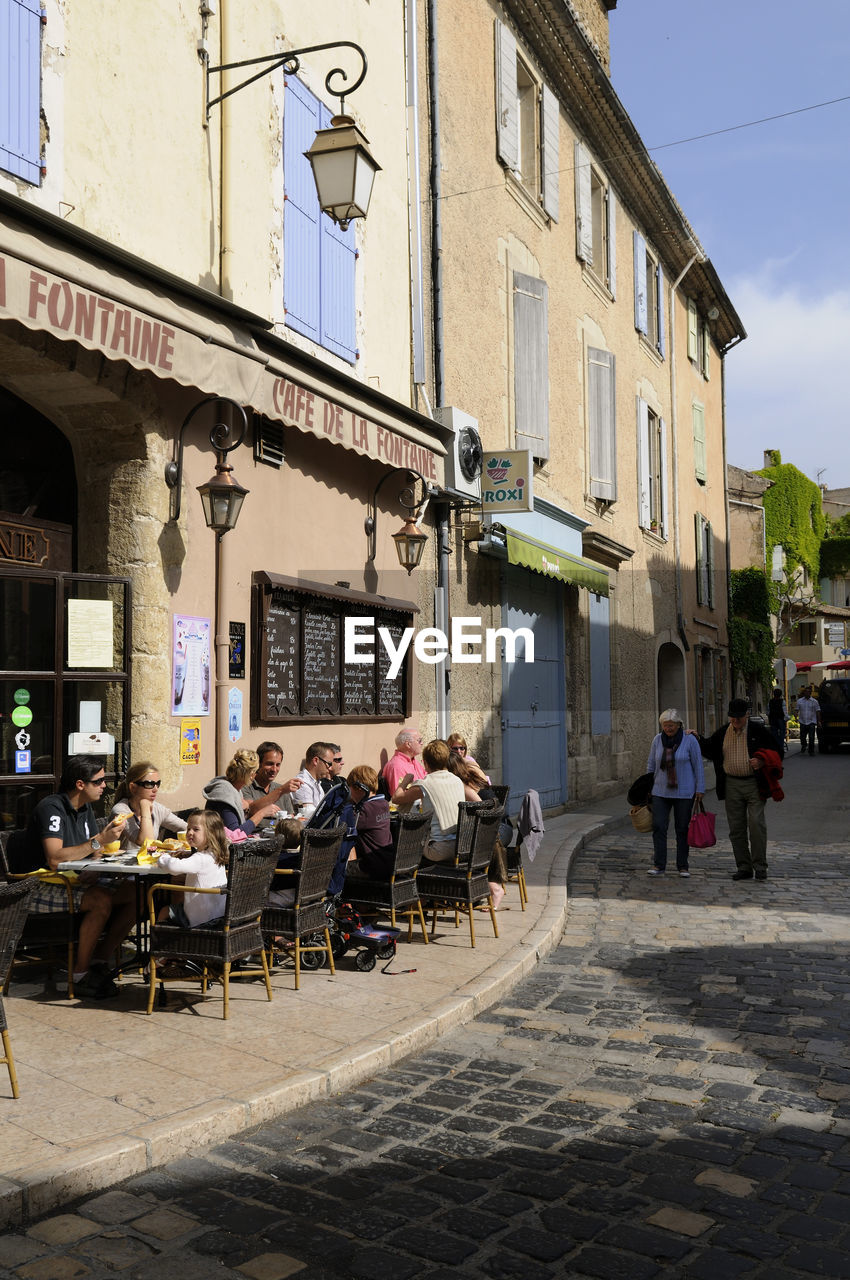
108 1092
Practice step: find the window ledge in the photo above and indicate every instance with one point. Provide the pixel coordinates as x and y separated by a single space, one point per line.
595 284
649 348
654 535
518 190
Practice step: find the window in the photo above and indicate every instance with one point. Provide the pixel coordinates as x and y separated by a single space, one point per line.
531 364
807 634
649 295
527 124
705 561
699 340
652 469
602 424
700 460
20 95
269 442
596 220
319 258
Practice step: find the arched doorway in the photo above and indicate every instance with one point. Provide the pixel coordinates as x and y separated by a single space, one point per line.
672 688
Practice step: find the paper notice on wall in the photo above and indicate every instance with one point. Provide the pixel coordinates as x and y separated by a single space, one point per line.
90 635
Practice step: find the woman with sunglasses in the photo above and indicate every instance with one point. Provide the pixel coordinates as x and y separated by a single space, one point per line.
137 796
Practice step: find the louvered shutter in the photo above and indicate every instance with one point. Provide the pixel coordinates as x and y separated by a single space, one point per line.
602 423
301 227
337 258
663 517
612 242
641 321
20 89
599 618
531 364
644 456
709 564
693 322
584 211
550 118
706 352
700 548
700 460
662 337
507 109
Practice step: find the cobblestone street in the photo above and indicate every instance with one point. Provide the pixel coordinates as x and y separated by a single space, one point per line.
667 1095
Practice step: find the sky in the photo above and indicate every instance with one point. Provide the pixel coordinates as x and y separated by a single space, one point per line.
769 203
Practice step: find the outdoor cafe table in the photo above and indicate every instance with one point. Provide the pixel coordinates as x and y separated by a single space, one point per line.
120 866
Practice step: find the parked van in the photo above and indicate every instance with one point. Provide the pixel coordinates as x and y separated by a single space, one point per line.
834 699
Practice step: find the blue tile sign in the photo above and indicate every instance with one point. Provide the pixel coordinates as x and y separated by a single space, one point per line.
23 762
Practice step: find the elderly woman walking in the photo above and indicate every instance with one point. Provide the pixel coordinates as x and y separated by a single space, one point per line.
675 761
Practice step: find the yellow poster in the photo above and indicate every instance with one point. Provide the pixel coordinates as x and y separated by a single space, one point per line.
190 741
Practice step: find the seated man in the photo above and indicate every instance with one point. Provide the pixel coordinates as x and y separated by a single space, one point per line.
261 791
318 765
408 749
63 828
439 792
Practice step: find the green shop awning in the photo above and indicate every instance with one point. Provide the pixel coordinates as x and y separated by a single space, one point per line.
547 560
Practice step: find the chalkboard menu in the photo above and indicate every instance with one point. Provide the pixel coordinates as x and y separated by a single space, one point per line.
298 663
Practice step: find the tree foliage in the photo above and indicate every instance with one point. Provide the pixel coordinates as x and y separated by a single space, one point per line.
751 644
835 557
794 518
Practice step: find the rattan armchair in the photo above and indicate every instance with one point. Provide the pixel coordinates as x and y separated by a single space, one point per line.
46 933
13 914
304 925
399 892
459 887
209 951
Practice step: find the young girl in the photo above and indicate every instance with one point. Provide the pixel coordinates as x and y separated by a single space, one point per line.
204 868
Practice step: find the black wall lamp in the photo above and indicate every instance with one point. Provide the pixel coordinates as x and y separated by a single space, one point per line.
223 495
410 540
343 167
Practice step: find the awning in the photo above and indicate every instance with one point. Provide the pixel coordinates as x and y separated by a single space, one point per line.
551 562
66 289
843 665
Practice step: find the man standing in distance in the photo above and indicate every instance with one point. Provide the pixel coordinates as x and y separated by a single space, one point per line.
736 751
808 714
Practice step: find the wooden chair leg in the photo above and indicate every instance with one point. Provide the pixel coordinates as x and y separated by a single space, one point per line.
151 984
297 962
471 911
421 921
225 977
523 888
266 974
493 915
329 949
10 1063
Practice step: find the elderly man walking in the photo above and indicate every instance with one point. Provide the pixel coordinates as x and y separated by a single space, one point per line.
743 755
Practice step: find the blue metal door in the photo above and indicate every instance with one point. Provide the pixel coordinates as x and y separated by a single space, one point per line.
534 735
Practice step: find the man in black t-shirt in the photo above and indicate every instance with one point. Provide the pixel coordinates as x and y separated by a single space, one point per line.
63 828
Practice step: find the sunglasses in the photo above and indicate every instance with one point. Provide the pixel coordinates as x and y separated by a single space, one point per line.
149 783
339 760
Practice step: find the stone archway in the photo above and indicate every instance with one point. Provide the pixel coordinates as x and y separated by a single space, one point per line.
672 685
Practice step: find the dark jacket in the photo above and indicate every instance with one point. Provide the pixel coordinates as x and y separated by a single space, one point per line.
759 738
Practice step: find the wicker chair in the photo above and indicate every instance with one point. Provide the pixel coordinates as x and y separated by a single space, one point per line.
459 887
307 917
43 934
13 914
208 951
399 892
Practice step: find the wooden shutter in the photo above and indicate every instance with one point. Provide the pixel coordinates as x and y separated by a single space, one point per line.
531 364
550 119
20 89
602 423
641 319
301 229
700 460
701 565
584 211
662 338
507 109
693 322
612 241
709 564
644 459
663 516
600 663
338 255
706 352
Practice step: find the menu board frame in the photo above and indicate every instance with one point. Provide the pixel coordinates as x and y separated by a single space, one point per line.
298 672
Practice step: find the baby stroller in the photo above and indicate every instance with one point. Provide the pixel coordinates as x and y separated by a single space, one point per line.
349 932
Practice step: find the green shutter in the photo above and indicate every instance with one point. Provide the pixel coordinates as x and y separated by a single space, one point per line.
693 321
700 461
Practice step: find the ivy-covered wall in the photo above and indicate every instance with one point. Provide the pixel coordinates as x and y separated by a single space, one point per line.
794 516
751 643
835 557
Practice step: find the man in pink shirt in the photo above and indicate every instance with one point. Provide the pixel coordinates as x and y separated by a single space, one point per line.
406 759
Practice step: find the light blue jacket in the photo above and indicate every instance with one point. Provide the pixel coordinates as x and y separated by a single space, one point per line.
690 775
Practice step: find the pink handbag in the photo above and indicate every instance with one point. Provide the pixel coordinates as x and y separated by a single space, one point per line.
701 828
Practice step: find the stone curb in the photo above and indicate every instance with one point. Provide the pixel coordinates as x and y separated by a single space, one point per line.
100 1165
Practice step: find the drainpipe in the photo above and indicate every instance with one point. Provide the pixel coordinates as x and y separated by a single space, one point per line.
699 256
228 147
442 607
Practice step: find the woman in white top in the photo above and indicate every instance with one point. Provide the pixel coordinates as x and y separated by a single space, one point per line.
137 797
205 867
440 792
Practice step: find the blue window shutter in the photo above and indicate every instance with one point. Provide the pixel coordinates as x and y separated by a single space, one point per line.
640 282
612 242
20 88
644 455
662 340
663 520
301 225
337 290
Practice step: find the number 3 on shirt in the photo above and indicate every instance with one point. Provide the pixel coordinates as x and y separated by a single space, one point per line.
55 823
